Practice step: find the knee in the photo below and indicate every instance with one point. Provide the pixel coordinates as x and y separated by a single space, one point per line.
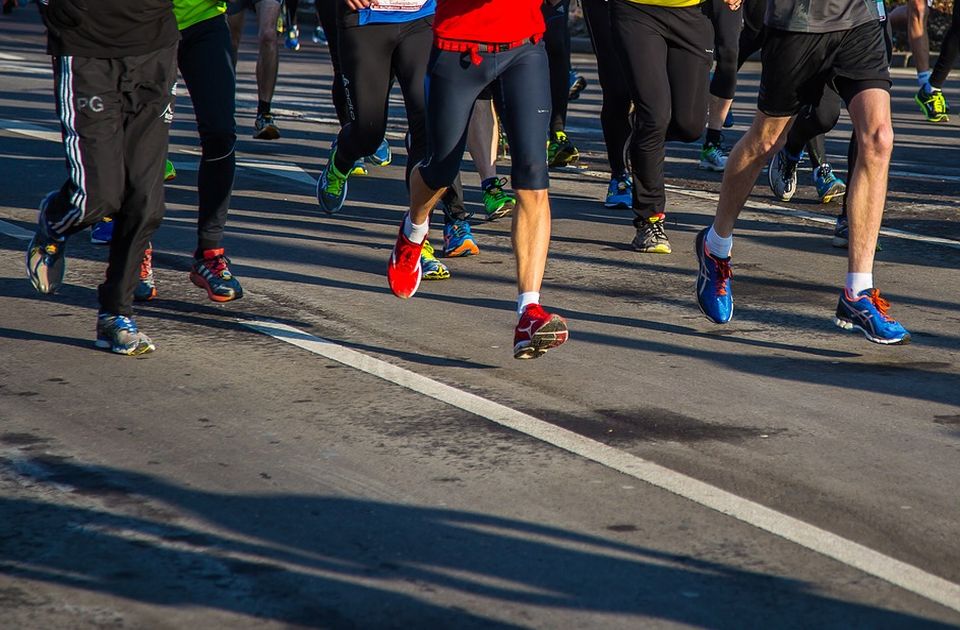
686 130
267 38
530 174
217 145
651 127
876 143
439 173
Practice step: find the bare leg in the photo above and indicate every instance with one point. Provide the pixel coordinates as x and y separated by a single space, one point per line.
531 238
483 139
870 112
423 199
235 22
719 108
268 62
765 136
917 34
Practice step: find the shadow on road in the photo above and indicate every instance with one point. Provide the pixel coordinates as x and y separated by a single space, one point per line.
324 561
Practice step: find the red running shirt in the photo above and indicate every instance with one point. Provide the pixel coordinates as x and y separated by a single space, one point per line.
488 21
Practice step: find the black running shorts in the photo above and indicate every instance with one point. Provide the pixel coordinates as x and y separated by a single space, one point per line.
797 67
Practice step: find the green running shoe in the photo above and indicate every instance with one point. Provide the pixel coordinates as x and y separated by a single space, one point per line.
560 151
431 268
169 173
496 203
933 105
332 187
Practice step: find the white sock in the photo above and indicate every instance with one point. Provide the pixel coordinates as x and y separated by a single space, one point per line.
923 78
526 299
416 232
857 282
718 246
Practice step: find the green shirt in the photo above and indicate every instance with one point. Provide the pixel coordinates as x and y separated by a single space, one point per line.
190 12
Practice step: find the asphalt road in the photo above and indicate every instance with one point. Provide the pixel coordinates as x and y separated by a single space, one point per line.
397 468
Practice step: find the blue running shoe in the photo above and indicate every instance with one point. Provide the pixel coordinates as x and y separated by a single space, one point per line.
458 240
382 156
45 261
867 312
619 192
714 291
292 38
577 85
332 187
829 186
101 233
730 120
119 334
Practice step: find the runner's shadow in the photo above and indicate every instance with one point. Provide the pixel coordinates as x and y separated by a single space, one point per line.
322 561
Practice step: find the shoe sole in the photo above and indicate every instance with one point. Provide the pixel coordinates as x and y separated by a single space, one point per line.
268 133
848 325
713 168
658 249
500 213
836 191
42 283
140 348
435 276
146 298
550 335
200 282
462 251
564 160
937 118
371 160
785 197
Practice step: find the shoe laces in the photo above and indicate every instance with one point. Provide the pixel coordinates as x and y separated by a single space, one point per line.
939 102
428 253
334 183
496 187
217 264
459 229
560 137
724 274
146 265
655 225
825 173
882 305
787 167
120 322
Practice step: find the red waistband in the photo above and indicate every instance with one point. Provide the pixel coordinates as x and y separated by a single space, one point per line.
475 48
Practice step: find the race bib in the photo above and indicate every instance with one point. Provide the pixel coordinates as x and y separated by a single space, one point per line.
409 6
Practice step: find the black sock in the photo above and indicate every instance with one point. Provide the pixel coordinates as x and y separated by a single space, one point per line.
714 137
263 107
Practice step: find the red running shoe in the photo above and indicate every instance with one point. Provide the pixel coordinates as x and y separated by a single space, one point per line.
537 332
403 270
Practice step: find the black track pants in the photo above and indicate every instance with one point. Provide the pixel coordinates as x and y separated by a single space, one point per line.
370 55
204 60
115 116
557 41
667 62
615 110
726 40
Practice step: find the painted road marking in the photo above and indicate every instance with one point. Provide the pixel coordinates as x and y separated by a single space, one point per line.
15 231
896 572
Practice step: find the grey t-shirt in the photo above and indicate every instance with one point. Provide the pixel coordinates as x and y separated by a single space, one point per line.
820 16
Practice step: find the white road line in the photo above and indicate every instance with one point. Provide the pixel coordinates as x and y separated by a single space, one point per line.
40 132
15 231
896 572
9 57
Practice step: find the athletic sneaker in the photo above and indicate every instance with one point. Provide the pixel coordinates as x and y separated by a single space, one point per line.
212 272
867 312
560 151
577 84
619 192
169 172
292 38
782 175
146 288
264 128
403 270
119 333
841 232
45 262
714 289
497 203
730 120
359 168
651 237
331 187
430 267
712 158
101 232
382 156
319 37
458 240
829 186
538 331
933 105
